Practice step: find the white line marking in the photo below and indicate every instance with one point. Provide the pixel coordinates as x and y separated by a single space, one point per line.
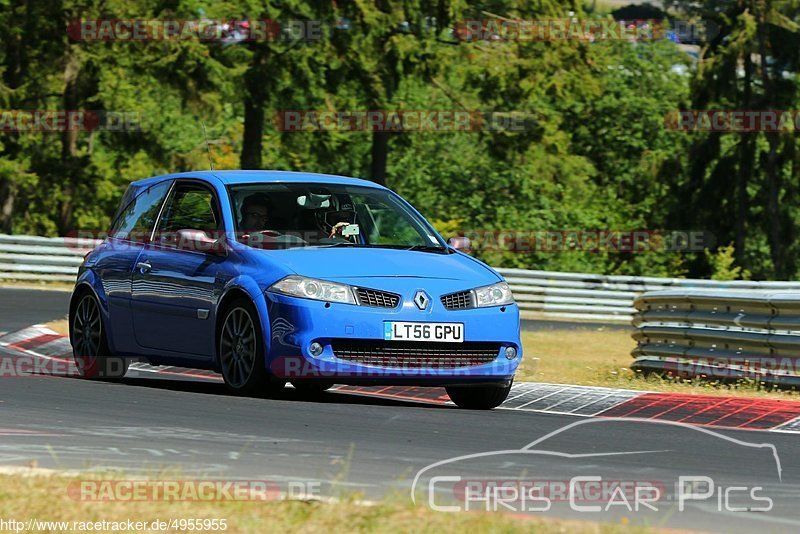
540 398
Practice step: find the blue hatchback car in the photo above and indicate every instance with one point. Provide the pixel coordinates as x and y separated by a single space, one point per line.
271 277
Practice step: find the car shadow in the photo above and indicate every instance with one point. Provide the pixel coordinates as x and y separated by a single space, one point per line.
287 394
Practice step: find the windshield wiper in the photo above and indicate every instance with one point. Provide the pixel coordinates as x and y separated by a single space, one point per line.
427 248
419 248
340 244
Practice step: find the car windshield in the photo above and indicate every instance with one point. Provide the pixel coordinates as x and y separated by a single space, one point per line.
274 216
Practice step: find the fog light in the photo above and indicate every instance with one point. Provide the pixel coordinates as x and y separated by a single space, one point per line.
315 349
511 353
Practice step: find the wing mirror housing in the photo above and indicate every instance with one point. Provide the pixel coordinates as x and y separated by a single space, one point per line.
460 243
199 241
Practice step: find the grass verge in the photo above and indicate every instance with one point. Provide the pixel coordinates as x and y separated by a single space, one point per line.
601 357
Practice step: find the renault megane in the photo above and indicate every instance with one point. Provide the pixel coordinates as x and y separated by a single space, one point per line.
271 277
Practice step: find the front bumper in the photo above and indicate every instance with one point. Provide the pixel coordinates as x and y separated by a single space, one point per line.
296 323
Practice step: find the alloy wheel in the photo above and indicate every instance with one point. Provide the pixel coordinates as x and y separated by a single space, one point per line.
238 347
87 332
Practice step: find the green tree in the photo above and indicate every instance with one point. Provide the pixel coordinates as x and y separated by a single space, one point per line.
739 185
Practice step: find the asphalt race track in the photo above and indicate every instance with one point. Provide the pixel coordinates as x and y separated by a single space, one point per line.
23 307
376 446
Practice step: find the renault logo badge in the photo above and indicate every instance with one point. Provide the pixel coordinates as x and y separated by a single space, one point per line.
421 299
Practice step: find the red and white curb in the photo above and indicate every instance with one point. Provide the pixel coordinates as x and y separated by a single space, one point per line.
703 410
39 341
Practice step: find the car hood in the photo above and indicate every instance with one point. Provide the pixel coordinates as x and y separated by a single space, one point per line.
351 263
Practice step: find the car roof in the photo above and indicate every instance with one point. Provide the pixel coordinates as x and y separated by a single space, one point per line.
254 177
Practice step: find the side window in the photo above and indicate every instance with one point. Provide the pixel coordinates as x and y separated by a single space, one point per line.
190 207
136 220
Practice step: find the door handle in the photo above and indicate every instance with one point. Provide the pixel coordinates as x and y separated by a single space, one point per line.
143 267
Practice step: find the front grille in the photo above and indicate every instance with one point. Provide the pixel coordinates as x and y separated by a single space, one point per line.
458 301
414 354
377 299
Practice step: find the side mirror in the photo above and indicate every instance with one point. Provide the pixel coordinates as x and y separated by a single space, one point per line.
198 240
460 243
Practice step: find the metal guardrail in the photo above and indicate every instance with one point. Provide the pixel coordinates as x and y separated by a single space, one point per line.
605 297
579 296
36 258
722 335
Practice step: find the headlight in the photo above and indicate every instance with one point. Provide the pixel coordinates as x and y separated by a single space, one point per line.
494 295
310 288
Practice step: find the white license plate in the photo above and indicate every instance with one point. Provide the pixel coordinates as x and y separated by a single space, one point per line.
445 332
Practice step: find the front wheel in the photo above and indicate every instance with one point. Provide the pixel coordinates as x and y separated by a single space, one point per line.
478 397
90 344
241 351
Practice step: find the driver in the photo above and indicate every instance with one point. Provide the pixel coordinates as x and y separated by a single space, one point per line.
255 213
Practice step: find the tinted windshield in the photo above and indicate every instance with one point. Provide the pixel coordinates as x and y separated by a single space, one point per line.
320 215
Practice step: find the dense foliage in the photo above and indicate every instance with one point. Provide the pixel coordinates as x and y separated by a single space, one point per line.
594 153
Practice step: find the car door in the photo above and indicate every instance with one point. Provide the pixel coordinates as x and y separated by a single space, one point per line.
115 259
175 288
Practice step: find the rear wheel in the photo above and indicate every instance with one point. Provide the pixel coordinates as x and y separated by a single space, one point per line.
478 397
241 351
90 345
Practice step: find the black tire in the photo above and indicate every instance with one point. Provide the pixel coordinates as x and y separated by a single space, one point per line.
90 344
240 348
478 397
312 388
